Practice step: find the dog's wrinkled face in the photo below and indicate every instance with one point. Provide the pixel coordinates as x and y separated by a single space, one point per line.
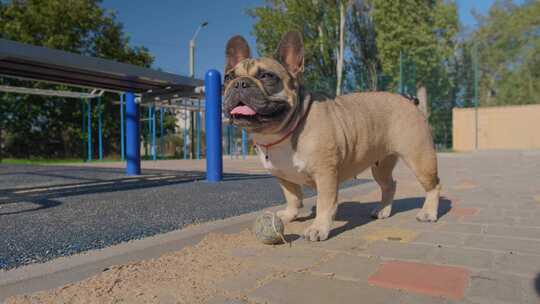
262 94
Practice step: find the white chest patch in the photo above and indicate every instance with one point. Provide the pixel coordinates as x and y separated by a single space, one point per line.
282 161
298 163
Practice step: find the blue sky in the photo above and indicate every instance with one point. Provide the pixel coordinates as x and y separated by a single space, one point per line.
166 26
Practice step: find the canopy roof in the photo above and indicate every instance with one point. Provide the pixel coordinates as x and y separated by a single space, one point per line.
45 64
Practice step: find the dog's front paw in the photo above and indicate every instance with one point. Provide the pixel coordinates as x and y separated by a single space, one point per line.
427 216
317 232
381 212
287 215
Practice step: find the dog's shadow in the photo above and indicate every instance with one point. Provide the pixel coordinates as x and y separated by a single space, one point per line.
357 214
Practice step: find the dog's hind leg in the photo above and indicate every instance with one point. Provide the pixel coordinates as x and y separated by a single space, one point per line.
293 195
382 172
423 161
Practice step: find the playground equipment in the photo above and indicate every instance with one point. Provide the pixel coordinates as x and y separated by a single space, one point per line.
137 87
181 108
33 63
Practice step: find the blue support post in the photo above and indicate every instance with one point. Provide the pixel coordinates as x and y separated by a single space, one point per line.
133 148
100 131
122 126
83 131
244 143
154 147
232 144
89 129
199 144
186 135
214 159
227 140
161 113
149 137
230 135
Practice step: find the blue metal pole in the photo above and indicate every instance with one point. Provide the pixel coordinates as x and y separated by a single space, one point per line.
83 131
185 134
214 159
244 143
89 129
100 131
133 144
122 126
199 144
234 141
232 144
226 143
149 137
228 140
154 148
161 113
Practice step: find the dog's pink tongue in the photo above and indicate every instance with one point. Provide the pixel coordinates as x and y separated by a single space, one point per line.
243 110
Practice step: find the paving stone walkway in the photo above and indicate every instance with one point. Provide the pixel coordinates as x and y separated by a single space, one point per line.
484 249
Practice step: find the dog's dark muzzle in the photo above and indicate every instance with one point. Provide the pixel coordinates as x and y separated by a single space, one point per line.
243 91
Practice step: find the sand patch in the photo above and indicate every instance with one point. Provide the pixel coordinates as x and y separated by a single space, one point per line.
186 276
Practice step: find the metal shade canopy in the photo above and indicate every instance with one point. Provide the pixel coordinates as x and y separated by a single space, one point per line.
40 63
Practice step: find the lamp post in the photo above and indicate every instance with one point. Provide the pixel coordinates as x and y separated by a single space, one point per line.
192 74
192 50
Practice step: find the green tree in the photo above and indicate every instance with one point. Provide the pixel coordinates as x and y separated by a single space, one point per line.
318 20
423 30
51 127
364 65
508 42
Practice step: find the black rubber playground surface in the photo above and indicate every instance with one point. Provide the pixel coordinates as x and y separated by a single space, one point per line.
52 211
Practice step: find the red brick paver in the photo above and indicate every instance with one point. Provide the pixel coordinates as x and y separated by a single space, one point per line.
434 280
463 211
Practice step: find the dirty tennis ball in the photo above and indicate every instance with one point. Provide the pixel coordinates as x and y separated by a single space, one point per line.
268 229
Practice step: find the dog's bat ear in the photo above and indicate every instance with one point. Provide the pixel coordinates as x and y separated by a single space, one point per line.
236 50
290 52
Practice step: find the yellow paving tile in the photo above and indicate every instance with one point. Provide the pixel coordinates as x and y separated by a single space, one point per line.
391 234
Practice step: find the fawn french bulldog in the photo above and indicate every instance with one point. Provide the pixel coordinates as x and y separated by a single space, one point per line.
309 139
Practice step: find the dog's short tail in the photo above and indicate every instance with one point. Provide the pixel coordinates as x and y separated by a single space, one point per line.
412 98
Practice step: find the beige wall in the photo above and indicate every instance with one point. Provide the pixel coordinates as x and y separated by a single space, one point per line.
510 127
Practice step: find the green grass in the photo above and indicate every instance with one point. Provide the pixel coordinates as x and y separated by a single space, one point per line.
56 161
51 161
40 161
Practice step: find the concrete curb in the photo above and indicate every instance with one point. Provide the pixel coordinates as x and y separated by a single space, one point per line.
65 270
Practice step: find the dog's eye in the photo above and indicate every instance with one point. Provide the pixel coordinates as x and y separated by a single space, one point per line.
267 76
229 76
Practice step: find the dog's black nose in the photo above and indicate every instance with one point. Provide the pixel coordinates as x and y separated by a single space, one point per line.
242 83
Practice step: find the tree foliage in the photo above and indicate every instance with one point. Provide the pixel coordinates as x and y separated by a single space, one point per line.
318 20
377 31
364 63
423 30
51 127
508 42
